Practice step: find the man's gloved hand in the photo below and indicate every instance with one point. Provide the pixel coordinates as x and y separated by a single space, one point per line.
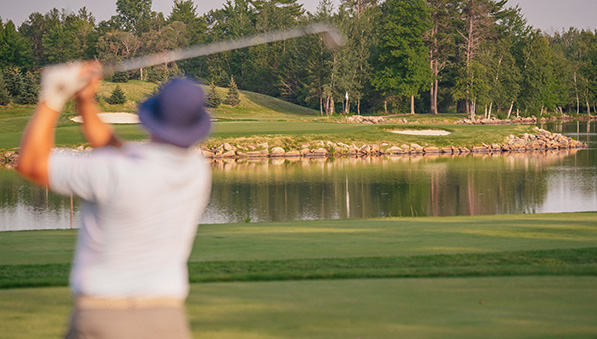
60 82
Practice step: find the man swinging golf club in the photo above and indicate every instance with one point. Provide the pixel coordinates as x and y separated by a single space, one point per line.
141 203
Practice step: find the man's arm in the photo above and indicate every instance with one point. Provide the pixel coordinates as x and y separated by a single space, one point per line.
97 133
36 144
59 83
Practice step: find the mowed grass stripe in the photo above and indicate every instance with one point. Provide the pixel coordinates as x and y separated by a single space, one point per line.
546 262
389 237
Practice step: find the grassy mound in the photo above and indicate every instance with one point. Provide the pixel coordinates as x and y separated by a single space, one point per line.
260 118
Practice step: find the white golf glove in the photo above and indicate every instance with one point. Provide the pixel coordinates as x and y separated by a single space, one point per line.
60 82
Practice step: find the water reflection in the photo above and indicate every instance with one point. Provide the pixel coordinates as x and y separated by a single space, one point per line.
24 206
381 187
304 189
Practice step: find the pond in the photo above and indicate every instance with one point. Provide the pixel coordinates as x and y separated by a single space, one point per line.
279 190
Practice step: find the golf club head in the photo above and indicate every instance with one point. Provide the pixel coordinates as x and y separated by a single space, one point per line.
333 38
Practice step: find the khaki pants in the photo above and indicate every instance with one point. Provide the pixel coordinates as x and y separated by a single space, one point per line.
129 322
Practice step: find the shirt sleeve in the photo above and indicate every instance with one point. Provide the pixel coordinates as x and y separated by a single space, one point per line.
86 175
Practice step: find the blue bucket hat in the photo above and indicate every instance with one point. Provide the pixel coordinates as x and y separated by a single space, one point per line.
177 113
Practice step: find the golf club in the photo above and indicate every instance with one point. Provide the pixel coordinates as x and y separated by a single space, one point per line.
332 37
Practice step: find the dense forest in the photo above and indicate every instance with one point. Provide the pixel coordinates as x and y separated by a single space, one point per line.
425 56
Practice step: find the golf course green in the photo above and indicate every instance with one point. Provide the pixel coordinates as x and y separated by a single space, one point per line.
490 276
500 276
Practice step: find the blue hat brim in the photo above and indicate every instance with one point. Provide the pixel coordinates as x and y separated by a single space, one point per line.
180 136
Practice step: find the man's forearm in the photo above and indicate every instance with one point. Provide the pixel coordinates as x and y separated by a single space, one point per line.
97 133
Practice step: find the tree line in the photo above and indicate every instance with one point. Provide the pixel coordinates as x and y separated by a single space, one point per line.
473 56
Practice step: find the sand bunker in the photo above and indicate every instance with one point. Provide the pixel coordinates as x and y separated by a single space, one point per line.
422 132
114 118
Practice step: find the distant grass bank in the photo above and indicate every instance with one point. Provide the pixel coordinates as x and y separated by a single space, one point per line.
292 134
260 118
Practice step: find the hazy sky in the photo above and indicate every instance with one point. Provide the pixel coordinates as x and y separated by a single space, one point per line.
548 15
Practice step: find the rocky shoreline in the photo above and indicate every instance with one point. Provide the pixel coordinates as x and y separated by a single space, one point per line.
532 120
543 140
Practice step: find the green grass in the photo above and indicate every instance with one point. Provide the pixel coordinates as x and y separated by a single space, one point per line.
262 118
396 308
553 244
443 118
559 262
482 276
291 134
252 105
488 307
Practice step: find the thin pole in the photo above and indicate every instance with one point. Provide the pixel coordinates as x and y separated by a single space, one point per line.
71 211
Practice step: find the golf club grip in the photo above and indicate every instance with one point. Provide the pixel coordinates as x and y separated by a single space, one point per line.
332 37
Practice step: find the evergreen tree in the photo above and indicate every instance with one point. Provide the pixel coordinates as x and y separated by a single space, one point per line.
29 90
117 96
35 28
134 14
213 98
4 93
13 80
184 11
120 77
15 50
403 65
233 97
195 33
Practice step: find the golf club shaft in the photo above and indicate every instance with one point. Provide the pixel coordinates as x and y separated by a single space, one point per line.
332 37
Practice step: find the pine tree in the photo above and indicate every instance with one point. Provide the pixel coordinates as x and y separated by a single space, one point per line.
117 96
4 93
403 65
213 98
233 98
29 89
13 80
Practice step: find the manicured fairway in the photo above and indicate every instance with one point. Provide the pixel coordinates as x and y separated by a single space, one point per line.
534 244
507 307
386 237
497 276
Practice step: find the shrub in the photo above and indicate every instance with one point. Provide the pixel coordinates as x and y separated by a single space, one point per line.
120 77
213 98
161 73
233 98
117 96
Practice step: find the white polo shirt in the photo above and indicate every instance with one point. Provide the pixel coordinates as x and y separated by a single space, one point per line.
141 207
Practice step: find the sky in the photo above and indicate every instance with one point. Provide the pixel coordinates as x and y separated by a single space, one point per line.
548 15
